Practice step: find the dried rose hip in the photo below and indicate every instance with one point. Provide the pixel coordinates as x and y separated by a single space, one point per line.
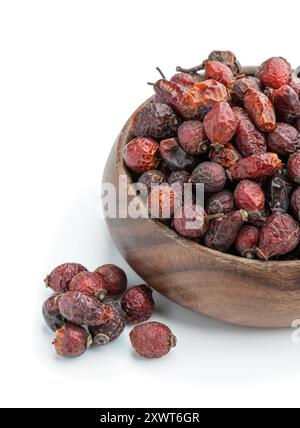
255 167
179 177
162 202
279 189
51 312
279 236
294 167
294 83
186 80
152 340
275 72
59 279
211 174
286 103
247 241
83 309
193 223
138 304
249 196
112 329
154 120
71 341
192 138
175 157
220 72
249 140
228 58
141 154
226 156
284 140
153 177
89 283
220 124
220 203
241 86
223 231
295 203
170 93
260 109
114 279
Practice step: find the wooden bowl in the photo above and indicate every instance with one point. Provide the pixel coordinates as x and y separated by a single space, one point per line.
225 287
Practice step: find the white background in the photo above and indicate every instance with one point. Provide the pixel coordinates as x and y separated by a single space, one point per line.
71 73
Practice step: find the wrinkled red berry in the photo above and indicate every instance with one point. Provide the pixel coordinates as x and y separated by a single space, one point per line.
175 157
275 72
186 80
112 329
294 83
152 340
83 309
286 103
280 235
241 86
71 341
193 222
170 93
284 140
179 177
226 57
153 177
192 138
220 124
294 167
255 167
295 203
222 232
260 109
59 279
220 72
141 154
220 203
89 283
247 240
249 196
51 312
114 279
162 202
155 120
226 156
279 188
211 174
138 304
248 140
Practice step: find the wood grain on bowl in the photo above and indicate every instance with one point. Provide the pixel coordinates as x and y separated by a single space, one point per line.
228 288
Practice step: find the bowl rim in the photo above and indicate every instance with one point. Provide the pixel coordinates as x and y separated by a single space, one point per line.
124 137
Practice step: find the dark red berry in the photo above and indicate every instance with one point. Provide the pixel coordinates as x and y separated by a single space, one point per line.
138 304
294 83
249 196
284 140
279 189
89 283
279 236
152 340
141 154
220 203
241 86
83 309
51 312
170 93
155 120
59 279
295 203
274 73
220 72
179 177
247 241
248 140
114 280
162 202
186 80
220 124
286 103
260 110
255 167
175 157
71 341
226 156
193 222
112 329
294 167
192 138
211 174
223 231
226 57
153 177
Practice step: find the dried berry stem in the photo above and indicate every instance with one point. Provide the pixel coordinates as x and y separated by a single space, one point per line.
192 70
215 216
161 73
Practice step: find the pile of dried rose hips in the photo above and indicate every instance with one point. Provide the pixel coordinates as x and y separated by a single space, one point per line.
84 310
239 136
